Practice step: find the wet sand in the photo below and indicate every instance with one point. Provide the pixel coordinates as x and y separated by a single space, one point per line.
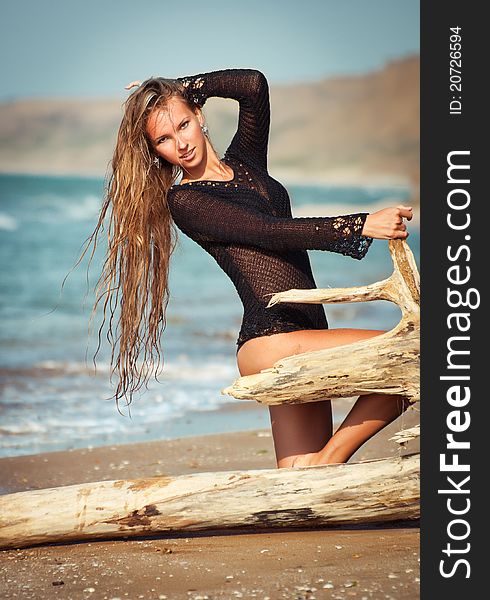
372 562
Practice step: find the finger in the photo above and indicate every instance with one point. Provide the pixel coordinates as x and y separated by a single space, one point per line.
398 234
133 84
406 211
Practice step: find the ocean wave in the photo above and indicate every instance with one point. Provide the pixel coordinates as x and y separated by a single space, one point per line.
85 209
25 428
8 223
49 208
53 367
182 368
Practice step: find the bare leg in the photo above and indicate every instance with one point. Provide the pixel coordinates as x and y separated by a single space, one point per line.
302 433
370 414
298 429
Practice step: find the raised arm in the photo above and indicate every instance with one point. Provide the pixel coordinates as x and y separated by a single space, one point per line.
250 88
206 218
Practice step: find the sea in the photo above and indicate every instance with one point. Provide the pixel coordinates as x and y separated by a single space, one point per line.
52 395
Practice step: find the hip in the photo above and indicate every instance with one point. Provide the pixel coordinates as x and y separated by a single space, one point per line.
263 352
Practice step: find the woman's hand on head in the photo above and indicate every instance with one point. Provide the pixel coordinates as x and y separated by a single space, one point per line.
388 224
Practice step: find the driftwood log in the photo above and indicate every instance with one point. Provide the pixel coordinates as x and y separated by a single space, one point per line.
376 491
405 435
388 363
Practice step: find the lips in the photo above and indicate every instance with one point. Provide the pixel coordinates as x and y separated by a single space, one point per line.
188 155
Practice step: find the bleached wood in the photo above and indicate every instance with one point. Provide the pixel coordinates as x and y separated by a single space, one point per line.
369 492
388 363
405 435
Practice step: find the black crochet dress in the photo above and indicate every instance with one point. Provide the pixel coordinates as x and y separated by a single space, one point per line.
246 223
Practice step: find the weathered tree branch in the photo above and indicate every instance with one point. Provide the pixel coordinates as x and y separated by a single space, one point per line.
369 492
405 435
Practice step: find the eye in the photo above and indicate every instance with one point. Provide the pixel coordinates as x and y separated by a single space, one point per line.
161 140
184 124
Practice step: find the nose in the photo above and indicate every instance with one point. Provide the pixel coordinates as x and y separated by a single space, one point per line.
180 142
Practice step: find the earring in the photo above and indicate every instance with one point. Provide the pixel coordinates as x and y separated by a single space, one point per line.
204 129
155 161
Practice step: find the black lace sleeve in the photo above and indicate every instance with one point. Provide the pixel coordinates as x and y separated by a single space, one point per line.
250 88
207 218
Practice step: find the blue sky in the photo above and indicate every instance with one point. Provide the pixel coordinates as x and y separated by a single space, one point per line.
92 48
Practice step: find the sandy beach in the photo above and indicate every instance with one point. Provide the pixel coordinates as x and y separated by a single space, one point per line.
371 562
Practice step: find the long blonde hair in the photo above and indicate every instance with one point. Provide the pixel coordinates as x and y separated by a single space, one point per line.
141 239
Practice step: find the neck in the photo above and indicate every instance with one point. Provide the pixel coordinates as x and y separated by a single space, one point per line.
212 168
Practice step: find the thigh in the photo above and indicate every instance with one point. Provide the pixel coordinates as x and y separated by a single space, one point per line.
261 353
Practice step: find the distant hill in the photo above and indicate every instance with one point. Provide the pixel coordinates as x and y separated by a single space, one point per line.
349 129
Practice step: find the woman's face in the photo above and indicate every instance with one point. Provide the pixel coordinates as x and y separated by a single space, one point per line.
176 134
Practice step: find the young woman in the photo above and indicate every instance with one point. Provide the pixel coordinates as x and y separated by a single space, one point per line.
240 215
